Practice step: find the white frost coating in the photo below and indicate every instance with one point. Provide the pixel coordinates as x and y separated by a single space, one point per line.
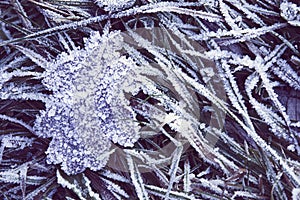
209 185
291 147
137 179
289 11
85 193
242 194
88 108
296 193
110 5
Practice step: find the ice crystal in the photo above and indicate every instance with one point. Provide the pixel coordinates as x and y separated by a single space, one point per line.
88 108
289 11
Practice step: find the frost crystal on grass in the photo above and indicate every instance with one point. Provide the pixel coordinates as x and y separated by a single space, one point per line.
289 11
88 108
110 5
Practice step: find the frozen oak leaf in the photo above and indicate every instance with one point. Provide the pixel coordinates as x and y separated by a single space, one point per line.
88 108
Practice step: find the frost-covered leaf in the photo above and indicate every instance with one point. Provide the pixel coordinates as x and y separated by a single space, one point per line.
88 108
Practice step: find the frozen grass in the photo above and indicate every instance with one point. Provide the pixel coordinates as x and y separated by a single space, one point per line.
214 90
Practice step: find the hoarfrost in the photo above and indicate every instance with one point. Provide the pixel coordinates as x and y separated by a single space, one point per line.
88 108
111 5
289 11
296 193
